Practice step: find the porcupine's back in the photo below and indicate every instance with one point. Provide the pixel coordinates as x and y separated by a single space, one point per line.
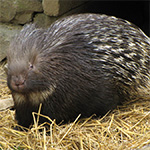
84 63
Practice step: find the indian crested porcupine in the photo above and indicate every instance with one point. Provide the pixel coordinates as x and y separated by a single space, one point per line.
82 64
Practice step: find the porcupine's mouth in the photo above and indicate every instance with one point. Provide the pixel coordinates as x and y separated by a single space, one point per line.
17 83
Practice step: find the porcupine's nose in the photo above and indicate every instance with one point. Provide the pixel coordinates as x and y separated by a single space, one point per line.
17 83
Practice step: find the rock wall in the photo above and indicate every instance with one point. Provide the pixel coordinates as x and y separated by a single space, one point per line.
15 13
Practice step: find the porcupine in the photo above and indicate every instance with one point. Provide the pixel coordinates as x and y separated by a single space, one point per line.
82 64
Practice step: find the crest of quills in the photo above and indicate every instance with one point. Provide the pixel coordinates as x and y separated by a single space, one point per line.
82 64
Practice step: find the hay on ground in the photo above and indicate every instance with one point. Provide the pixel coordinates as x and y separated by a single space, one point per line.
127 127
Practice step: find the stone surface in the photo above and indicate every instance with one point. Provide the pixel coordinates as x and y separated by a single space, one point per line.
59 7
19 10
29 5
51 8
7 10
25 10
6 103
7 32
23 18
43 20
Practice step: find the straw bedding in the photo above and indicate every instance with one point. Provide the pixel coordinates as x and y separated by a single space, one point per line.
127 127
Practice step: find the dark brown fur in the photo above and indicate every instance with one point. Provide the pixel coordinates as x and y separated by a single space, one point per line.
83 64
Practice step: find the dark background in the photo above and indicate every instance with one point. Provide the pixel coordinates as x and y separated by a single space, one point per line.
137 12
